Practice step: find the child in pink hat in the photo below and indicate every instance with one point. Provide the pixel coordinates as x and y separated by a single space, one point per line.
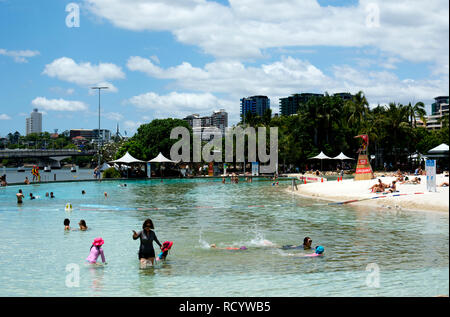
96 251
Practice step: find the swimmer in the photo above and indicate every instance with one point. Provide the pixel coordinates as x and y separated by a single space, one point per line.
106 194
19 196
96 251
51 195
32 197
83 192
227 248
82 225
46 194
123 185
305 246
318 252
66 224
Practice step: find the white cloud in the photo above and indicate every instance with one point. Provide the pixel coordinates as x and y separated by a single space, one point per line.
4 117
114 116
412 30
59 104
19 56
176 104
84 74
276 80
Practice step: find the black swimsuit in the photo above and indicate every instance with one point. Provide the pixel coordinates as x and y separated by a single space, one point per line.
146 249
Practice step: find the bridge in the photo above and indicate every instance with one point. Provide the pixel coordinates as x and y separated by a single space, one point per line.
44 157
43 154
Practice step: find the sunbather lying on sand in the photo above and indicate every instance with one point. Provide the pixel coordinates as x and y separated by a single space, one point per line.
416 180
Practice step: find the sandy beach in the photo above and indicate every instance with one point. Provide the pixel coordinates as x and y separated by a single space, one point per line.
408 197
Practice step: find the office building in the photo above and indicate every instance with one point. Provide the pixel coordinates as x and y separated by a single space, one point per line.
92 134
256 105
34 122
438 110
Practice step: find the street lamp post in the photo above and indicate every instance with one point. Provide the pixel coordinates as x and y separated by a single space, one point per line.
98 135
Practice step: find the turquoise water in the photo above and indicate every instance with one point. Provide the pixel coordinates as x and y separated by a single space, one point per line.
368 251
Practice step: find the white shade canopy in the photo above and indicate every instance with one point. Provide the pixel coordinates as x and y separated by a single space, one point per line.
127 159
321 156
161 159
439 149
342 156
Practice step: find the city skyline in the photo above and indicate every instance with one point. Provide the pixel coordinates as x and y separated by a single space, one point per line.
208 55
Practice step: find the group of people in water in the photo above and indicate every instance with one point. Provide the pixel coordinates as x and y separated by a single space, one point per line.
20 196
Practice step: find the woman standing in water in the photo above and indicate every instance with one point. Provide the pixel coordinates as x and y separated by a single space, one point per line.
147 236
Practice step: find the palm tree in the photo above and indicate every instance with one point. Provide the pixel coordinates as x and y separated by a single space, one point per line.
358 109
416 111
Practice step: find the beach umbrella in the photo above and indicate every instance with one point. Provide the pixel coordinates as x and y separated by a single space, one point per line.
320 157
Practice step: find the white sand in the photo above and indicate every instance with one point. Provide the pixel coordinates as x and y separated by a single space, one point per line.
355 190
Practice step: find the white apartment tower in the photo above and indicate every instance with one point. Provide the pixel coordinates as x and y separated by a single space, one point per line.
34 122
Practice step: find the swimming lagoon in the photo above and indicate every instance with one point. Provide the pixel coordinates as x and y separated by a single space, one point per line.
368 252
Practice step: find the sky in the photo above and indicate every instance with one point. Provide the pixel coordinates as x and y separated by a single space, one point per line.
172 58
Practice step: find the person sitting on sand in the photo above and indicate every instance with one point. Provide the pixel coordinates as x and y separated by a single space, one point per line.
444 184
305 246
379 187
393 187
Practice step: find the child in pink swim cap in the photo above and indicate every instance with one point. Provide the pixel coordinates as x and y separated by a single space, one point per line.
96 251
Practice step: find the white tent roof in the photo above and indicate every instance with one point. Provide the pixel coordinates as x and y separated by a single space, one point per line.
161 159
439 149
321 156
127 159
342 156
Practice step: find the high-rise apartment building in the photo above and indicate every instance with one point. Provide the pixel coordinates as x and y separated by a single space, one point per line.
438 110
290 105
256 105
200 125
34 122
219 119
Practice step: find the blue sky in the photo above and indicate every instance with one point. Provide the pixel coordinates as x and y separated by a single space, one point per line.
164 58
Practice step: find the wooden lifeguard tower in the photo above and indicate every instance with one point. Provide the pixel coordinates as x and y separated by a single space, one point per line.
363 168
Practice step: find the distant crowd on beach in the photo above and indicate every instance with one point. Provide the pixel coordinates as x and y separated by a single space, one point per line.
402 178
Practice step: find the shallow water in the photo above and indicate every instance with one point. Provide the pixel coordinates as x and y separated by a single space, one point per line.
368 251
